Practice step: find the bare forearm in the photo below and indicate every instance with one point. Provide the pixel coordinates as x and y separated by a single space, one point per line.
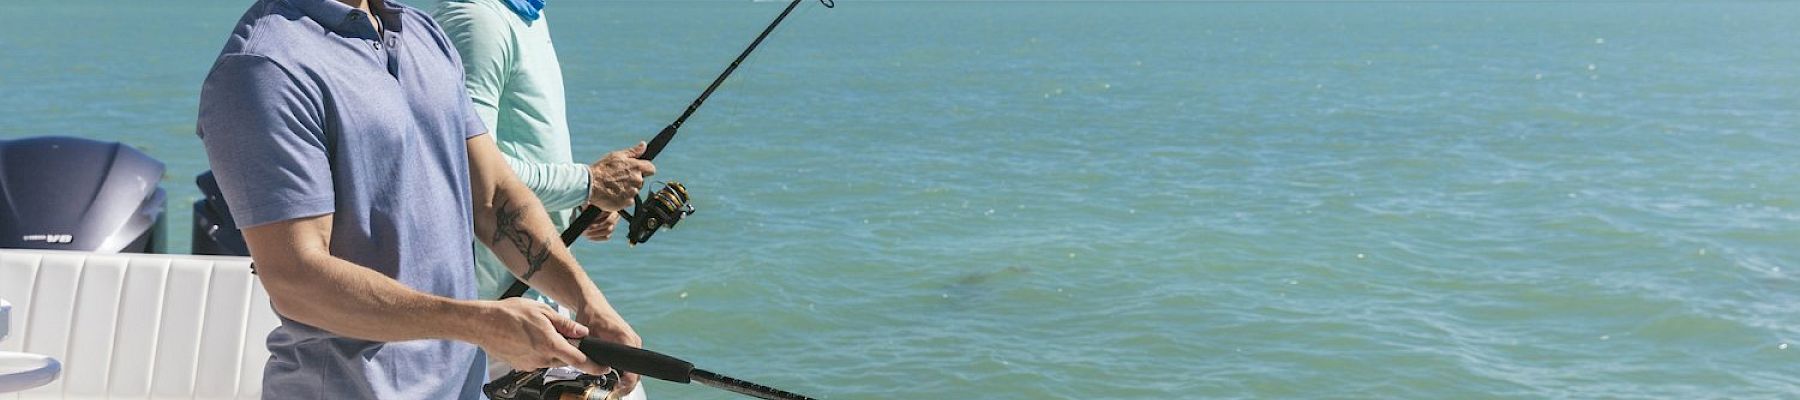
512 223
353 301
510 220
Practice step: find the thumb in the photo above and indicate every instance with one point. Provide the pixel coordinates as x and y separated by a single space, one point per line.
631 153
571 355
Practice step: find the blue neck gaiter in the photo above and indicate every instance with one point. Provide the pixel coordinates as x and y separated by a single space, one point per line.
527 9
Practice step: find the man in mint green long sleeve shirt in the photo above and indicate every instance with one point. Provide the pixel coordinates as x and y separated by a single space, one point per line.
515 82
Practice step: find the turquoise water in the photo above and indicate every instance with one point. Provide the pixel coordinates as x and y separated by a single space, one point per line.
1143 200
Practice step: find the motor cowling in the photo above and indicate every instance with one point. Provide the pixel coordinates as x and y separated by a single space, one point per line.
65 193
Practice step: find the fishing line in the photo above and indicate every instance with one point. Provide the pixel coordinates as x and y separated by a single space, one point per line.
653 215
663 208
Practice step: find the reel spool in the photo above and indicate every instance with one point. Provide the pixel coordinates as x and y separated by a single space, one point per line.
538 385
665 208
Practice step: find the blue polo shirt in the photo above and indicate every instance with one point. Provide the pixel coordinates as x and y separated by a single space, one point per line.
310 111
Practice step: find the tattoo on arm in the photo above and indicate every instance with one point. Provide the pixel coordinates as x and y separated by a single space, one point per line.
508 226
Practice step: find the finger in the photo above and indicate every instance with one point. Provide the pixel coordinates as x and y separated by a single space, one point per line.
536 359
590 367
606 222
622 334
646 167
568 354
627 383
541 306
629 153
566 327
632 152
600 235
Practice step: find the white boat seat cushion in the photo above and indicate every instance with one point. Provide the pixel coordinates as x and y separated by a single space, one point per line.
138 326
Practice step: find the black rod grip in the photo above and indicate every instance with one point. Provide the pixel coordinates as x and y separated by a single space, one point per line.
656 144
587 217
637 361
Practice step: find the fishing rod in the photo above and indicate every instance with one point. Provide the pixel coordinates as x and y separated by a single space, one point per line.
664 208
534 385
670 204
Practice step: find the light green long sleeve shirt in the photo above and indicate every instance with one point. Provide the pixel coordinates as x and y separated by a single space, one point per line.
515 81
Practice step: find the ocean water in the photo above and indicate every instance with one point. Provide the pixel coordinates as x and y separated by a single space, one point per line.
1141 200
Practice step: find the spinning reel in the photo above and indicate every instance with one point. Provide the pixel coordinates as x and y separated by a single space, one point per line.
665 208
542 384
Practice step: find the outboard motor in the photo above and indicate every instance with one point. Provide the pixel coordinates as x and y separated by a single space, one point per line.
215 233
65 193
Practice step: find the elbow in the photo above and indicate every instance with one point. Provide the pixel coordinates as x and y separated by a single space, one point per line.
288 292
289 308
287 302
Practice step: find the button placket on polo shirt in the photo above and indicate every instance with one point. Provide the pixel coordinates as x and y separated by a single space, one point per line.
359 21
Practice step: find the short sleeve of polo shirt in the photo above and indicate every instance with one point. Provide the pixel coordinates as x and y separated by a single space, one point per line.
473 124
265 138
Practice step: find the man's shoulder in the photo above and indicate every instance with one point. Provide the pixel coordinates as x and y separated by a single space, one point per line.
274 30
266 54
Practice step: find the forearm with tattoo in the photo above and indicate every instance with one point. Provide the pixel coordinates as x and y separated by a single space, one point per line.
511 222
509 226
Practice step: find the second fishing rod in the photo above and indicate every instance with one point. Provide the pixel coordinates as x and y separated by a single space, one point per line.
666 206
663 208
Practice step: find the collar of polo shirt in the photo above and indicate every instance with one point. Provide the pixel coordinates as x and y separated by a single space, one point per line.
335 14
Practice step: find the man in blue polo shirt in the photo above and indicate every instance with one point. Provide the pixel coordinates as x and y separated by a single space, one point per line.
342 137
